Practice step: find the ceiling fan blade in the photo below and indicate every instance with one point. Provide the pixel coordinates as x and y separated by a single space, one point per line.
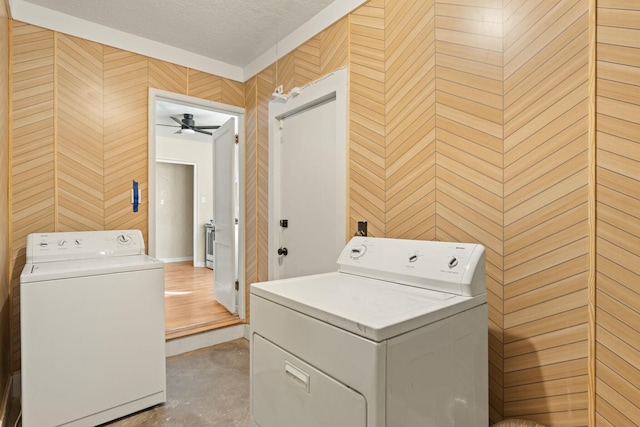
197 129
207 127
178 132
171 126
177 120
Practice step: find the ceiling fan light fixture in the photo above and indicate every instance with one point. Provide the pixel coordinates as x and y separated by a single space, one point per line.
188 131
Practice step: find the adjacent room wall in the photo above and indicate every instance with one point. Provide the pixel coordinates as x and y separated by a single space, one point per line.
201 155
79 136
174 211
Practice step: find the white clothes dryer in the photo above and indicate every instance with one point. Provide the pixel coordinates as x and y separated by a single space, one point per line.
92 328
396 337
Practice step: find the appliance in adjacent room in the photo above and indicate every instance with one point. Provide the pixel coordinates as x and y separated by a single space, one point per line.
92 328
210 238
396 337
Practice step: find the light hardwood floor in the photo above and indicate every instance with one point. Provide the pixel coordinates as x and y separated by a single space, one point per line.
190 307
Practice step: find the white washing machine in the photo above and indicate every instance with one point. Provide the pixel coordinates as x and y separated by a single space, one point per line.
92 328
396 337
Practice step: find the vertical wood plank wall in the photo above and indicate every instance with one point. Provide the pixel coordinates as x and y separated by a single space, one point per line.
618 214
79 136
5 256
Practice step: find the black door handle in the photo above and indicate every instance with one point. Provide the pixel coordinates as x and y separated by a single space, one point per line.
283 251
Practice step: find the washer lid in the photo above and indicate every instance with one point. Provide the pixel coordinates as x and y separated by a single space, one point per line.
374 309
87 267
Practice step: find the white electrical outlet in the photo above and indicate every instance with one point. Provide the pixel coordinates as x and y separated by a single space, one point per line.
279 89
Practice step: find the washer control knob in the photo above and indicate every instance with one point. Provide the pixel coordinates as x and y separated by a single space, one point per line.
453 261
44 244
62 243
358 252
124 239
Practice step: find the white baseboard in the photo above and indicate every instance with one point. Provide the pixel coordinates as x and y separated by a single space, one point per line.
247 332
180 259
204 339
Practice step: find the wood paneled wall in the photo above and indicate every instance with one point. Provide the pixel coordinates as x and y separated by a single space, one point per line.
469 150
546 246
618 212
5 255
79 136
367 128
410 146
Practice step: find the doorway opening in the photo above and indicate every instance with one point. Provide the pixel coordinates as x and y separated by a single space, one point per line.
182 207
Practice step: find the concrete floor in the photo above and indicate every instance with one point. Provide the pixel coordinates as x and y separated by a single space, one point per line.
206 387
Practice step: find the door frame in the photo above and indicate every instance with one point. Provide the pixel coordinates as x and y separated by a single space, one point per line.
232 110
332 86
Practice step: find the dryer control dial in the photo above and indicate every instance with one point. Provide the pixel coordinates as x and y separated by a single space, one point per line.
452 262
358 252
123 239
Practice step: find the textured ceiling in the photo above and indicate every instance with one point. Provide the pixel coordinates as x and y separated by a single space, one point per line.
232 31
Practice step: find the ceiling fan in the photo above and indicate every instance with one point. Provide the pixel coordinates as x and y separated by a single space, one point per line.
188 125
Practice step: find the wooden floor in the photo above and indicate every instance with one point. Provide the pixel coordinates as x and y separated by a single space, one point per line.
190 307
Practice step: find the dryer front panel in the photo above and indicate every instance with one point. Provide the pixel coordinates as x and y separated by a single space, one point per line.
289 392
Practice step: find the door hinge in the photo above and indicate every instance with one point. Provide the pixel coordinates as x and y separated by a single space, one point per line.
237 285
237 139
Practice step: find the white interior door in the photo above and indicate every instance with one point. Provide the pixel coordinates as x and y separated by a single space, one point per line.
225 215
307 192
308 178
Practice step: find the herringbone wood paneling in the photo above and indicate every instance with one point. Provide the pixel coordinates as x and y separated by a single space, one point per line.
167 76
33 193
618 213
334 47
545 211
205 86
126 83
232 93
251 187
469 150
409 114
5 248
367 186
80 148
306 63
266 84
